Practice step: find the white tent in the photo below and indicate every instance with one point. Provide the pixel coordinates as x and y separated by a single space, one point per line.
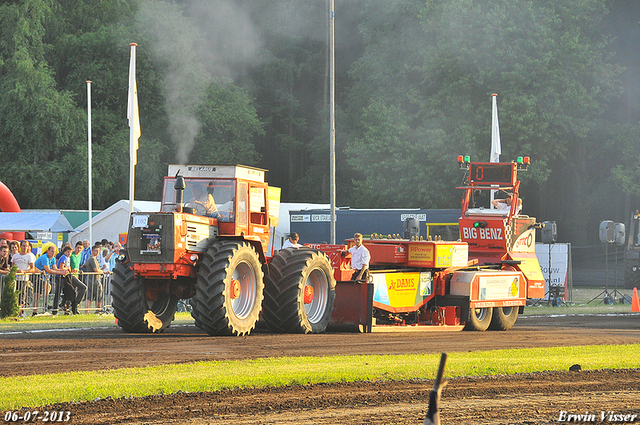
112 221
34 221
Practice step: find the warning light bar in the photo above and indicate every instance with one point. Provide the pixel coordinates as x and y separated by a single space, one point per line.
464 161
523 162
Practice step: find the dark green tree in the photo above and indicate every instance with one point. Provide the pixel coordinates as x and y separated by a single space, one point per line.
429 69
105 61
9 306
288 86
38 123
229 127
247 81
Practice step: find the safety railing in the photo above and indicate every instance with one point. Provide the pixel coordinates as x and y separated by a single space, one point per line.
42 292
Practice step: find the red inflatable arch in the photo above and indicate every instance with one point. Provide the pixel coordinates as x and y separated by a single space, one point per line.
8 203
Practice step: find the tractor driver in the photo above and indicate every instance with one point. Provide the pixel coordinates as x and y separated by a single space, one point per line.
202 201
224 195
505 204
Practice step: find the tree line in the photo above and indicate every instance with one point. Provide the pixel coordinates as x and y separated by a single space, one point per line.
247 81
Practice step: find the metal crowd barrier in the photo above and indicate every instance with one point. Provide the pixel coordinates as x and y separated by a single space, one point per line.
41 292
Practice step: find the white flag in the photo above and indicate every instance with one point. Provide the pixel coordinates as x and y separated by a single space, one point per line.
132 108
495 132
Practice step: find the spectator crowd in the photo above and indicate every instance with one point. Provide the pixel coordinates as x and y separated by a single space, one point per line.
73 273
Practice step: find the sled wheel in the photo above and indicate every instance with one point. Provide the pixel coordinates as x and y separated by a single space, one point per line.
479 319
299 291
135 311
229 289
503 318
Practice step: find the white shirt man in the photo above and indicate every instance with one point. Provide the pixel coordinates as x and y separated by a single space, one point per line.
360 258
505 204
292 241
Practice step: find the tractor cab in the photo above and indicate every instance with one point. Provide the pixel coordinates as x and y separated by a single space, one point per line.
233 197
502 234
204 197
483 179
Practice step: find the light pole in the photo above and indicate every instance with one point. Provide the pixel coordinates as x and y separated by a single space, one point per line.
332 124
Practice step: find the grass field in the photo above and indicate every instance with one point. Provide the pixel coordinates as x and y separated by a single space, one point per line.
42 322
39 390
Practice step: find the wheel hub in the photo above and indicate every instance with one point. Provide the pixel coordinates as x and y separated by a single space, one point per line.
481 313
235 289
308 294
316 303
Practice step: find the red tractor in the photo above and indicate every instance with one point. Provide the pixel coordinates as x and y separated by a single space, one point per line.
209 243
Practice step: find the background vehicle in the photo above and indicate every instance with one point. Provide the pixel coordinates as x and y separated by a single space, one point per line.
632 254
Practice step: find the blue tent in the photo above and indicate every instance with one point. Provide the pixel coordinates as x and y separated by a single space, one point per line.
54 222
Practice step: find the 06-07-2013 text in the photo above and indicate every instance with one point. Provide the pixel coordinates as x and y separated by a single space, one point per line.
36 416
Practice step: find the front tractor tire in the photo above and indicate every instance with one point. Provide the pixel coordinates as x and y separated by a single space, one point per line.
229 289
132 307
503 318
299 291
479 319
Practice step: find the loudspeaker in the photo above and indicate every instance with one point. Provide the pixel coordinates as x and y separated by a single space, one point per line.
549 232
619 230
411 228
607 232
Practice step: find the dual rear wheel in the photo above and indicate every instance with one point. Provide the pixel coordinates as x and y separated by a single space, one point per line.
229 289
298 290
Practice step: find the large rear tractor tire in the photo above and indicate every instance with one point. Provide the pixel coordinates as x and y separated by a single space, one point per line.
479 319
132 307
299 291
503 318
229 289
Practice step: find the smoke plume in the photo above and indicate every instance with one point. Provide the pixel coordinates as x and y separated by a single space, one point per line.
196 42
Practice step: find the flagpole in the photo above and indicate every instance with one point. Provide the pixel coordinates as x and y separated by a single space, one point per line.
134 124
495 130
496 149
89 156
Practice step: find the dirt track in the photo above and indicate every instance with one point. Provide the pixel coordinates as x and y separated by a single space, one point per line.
536 398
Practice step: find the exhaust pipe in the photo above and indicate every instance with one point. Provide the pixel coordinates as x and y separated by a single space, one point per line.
180 186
